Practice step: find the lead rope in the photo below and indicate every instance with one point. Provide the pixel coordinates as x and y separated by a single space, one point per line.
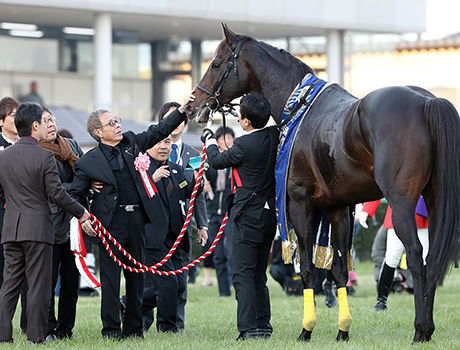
101 232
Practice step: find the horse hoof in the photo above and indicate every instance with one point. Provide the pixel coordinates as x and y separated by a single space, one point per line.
420 337
305 335
423 334
342 336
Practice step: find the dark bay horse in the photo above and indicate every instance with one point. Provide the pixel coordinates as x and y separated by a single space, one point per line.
397 142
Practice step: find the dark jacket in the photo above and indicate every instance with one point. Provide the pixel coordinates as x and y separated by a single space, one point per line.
29 178
61 218
253 155
218 204
159 227
93 166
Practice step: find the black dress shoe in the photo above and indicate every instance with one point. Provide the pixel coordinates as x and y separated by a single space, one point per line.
241 336
52 337
122 308
7 341
258 333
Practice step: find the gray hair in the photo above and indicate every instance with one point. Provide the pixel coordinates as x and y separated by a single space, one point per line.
94 122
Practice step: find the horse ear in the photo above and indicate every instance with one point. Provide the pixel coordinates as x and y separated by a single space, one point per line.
229 35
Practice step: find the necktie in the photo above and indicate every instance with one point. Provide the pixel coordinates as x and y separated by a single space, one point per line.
173 155
221 178
169 186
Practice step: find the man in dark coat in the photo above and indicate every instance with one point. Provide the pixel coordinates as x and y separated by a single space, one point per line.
29 177
123 204
67 152
252 157
174 188
181 153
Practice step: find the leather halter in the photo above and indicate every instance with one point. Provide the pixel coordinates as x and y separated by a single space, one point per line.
232 63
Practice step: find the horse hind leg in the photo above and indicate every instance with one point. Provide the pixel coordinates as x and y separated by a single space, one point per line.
406 230
340 231
301 219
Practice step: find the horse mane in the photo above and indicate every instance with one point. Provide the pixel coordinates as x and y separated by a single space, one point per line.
283 57
286 58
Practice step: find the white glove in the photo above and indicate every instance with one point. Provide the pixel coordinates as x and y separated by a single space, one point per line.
363 218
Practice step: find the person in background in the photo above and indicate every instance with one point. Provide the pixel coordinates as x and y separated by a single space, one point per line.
33 95
394 246
9 136
217 189
253 158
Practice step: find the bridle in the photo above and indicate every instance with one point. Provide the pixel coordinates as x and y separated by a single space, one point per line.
232 63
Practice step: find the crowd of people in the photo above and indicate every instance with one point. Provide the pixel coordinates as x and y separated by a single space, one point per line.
144 218
144 208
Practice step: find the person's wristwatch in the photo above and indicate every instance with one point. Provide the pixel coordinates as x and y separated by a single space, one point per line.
203 227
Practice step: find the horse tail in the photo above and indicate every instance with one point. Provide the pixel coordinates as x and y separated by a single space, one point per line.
444 124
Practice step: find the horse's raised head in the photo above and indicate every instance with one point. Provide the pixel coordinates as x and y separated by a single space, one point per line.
225 79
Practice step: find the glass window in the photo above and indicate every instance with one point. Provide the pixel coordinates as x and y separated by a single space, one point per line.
25 54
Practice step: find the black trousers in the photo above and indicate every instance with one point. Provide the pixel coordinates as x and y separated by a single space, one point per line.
64 266
252 239
222 252
128 229
31 261
163 291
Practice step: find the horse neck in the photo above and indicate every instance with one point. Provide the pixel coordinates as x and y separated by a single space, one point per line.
275 80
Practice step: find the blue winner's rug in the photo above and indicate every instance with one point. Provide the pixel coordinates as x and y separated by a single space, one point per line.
310 87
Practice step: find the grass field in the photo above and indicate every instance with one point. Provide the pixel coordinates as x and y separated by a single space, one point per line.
211 322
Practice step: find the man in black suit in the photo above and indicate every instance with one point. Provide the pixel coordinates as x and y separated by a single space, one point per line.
252 157
9 136
123 205
181 153
174 188
217 190
29 178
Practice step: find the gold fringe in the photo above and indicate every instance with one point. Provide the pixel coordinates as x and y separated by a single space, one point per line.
322 257
289 247
350 261
286 252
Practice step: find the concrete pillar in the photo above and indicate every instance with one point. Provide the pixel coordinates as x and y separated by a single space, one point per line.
335 56
196 59
103 61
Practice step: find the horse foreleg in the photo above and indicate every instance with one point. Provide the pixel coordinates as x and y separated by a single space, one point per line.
340 230
301 219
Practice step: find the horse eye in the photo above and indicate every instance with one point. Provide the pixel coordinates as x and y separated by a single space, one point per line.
215 65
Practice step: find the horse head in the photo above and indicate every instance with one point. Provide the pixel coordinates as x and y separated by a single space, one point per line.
225 79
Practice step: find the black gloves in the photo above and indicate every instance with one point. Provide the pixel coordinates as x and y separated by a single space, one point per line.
207 134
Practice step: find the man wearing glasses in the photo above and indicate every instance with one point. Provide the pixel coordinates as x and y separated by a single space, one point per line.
123 205
67 152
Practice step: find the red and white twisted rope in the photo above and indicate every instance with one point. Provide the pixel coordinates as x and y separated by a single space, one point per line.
101 231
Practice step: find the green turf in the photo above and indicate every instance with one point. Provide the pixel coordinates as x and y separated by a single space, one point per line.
211 322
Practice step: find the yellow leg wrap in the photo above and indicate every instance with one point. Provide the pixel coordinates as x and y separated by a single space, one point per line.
344 311
309 317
